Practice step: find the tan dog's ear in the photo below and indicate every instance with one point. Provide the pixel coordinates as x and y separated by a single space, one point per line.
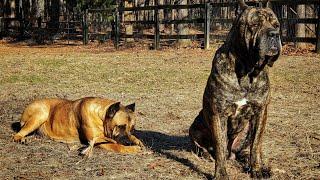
131 107
112 110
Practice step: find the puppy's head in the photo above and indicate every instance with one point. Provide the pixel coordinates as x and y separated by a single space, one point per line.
119 120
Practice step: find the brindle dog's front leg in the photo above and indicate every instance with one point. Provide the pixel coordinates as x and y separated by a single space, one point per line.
258 170
218 131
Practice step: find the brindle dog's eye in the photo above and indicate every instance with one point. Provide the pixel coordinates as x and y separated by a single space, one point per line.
255 25
277 25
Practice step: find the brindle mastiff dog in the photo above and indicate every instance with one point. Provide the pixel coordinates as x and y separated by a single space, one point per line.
235 100
91 120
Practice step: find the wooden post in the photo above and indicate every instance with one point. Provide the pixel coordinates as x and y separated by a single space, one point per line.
117 28
318 31
156 27
85 27
207 26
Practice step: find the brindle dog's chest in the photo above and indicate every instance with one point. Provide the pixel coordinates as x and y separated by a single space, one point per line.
238 115
239 101
244 110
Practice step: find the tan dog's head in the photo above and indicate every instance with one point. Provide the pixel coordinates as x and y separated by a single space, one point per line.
119 120
258 34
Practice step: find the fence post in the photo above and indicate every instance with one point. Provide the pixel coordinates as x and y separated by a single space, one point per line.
318 31
85 27
117 28
207 26
156 27
1 27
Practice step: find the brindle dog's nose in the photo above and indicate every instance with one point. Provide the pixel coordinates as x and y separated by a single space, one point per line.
273 33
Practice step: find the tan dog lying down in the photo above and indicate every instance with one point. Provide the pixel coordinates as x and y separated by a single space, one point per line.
91 120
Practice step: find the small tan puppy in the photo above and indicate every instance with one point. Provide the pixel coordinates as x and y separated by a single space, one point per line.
91 120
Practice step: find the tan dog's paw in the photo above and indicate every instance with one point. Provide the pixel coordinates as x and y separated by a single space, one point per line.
19 138
87 152
140 143
132 149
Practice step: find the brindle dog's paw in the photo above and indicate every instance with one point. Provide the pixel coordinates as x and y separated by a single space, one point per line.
221 177
221 174
244 159
20 139
262 173
266 172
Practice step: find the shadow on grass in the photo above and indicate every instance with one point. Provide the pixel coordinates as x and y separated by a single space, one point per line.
160 143
16 126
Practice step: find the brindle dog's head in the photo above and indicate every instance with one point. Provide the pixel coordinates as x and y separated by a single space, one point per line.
119 120
259 33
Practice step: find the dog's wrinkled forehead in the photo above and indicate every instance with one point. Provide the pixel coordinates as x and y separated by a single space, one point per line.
121 117
258 17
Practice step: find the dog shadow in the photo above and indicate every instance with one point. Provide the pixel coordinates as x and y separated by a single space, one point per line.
161 143
16 126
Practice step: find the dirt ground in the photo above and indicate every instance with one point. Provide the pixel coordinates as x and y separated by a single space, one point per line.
167 87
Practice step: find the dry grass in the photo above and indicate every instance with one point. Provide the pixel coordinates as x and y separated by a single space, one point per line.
167 87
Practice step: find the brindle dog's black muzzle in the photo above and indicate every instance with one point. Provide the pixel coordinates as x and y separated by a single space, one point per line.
273 42
273 46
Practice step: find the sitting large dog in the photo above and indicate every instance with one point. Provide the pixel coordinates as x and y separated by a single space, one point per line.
232 121
94 121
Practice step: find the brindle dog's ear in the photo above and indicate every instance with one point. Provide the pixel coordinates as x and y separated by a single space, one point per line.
113 109
131 107
242 5
265 4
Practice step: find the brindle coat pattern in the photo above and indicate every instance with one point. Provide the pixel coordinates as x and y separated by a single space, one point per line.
237 93
91 120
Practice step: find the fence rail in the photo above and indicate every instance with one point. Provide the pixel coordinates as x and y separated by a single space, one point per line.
208 20
157 21
109 23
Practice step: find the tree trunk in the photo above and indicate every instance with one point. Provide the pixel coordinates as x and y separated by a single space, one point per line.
54 13
128 16
35 12
300 28
183 29
1 18
169 15
41 6
2 8
12 13
161 15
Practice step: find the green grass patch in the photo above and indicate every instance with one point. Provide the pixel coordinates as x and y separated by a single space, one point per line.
30 79
51 63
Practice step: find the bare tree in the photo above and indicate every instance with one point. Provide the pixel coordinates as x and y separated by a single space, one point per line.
10 12
53 13
300 28
129 16
183 29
